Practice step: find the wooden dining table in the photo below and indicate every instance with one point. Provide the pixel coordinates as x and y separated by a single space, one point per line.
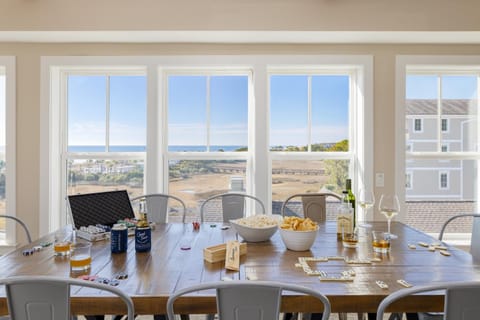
176 261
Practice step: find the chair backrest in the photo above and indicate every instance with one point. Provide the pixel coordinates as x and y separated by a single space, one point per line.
233 205
43 297
475 242
461 299
157 207
248 300
314 205
20 222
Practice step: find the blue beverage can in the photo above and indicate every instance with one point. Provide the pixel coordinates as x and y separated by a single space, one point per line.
119 238
143 239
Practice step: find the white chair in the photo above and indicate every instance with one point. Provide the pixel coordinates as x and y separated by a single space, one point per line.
43 297
475 240
157 206
461 299
232 205
474 250
21 223
248 300
314 205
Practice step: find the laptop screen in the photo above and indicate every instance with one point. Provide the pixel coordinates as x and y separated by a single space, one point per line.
100 208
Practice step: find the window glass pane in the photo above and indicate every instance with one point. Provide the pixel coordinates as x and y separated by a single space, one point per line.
459 104
451 128
428 205
330 111
291 176
420 87
288 113
194 181
228 113
88 175
86 113
187 113
128 113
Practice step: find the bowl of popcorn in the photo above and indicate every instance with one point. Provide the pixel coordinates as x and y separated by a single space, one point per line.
256 228
298 234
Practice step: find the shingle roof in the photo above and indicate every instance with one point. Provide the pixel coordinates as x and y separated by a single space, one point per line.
449 107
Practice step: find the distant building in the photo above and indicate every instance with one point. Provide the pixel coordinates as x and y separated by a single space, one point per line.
440 179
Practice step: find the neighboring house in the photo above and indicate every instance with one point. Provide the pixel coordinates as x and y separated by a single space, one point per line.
440 179
437 189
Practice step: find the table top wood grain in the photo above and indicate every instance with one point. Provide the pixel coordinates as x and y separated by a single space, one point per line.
168 267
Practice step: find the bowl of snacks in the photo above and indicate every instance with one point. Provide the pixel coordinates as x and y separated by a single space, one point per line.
256 228
298 234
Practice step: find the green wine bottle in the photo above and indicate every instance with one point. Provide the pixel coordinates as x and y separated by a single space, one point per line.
351 199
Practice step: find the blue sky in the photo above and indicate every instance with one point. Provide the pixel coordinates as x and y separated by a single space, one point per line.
86 117
187 112
228 99
453 87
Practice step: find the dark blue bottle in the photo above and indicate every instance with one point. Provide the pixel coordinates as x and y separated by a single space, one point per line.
143 235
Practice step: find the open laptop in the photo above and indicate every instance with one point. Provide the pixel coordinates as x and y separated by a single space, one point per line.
104 208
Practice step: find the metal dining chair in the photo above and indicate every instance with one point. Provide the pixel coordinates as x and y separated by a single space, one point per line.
474 250
248 300
314 205
21 223
461 299
44 297
475 239
158 209
232 205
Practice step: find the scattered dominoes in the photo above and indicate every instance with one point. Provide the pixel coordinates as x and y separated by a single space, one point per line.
381 284
404 283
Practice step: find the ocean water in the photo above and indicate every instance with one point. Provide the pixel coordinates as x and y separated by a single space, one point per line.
143 148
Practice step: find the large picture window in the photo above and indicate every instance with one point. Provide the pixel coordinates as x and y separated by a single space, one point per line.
106 131
312 118
199 126
445 97
207 134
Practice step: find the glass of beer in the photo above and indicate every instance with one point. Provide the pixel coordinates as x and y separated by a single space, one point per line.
381 241
62 242
80 258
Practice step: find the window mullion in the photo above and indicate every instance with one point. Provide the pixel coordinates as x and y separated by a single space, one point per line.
309 114
107 115
208 113
439 113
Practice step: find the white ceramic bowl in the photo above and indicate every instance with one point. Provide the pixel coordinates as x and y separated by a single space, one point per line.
251 234
298 240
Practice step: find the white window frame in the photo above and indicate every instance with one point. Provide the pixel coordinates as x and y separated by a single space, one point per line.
354 103
206 155
426 64
52 206
447 176
7 68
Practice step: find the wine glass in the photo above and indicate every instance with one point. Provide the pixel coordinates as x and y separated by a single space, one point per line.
366 200
389 206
